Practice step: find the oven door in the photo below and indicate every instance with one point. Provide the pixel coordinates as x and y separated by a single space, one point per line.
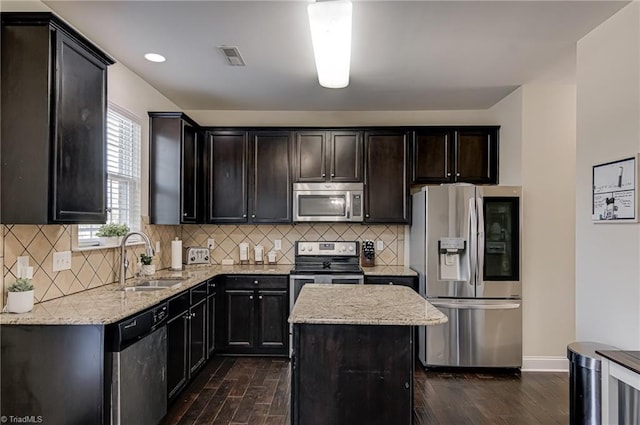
323 205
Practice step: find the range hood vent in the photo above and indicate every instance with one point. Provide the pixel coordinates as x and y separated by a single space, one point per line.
232 54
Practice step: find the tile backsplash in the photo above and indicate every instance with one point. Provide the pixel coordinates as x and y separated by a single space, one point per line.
93 268
228 237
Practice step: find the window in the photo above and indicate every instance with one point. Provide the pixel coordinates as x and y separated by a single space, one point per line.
123 174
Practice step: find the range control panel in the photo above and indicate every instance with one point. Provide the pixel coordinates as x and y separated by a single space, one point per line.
339 248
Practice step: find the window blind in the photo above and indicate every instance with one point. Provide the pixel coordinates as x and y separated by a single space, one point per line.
123 174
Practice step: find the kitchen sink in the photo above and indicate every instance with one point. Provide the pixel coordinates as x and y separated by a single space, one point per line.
154 285
160 283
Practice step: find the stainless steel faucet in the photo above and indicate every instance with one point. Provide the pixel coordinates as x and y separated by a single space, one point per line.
124 263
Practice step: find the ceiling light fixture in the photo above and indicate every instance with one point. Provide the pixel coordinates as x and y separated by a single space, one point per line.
330 23
154 57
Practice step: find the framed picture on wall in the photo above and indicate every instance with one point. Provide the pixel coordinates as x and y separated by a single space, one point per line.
615 193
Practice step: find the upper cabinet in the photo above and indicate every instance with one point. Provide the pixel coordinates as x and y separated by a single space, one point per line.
248 176
54 106
175 176
270 181
386 189
226 159
450 155
328 156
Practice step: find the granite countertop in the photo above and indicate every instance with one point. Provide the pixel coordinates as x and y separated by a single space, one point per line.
106 304
389 271
363 305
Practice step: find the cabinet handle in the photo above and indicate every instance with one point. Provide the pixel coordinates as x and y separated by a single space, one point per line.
324 175
260 297
193 315
366 215
255 282
244 216
457 174
333 174
253 216
250 297
187 317
390 283
184 215
448 174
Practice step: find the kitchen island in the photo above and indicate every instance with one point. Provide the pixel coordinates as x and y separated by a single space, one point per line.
353 353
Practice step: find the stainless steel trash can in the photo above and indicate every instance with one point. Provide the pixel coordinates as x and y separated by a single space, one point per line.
584 382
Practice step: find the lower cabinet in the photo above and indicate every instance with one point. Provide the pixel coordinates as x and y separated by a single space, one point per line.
212 286
186 337
256 309
410 281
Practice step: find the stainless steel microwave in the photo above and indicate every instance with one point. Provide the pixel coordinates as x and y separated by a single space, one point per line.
329 202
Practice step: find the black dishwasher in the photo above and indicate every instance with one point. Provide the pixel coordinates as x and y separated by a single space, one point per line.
135 373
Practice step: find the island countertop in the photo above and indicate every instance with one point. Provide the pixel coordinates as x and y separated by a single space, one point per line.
363 305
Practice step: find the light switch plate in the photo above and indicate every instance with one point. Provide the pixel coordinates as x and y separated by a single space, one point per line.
157 247
61 261
211 243
379 245
23 263
277 244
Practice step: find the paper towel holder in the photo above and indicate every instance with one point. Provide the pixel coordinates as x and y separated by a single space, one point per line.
176 255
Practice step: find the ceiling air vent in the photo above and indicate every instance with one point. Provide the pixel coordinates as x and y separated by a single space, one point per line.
232 54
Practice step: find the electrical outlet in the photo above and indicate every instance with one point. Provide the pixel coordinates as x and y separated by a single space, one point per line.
277 244
211 243
23 263
157 247
379 245
61 261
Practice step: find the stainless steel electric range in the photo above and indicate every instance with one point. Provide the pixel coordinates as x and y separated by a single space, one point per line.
324 262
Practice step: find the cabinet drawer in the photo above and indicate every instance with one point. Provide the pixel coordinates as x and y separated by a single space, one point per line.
198 293
179 304
409 281
257 281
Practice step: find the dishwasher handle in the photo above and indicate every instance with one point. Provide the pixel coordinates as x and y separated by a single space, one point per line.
476 306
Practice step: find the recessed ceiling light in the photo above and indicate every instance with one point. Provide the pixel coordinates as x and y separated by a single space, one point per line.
154 57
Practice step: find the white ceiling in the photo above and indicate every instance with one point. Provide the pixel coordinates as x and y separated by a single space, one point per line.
406 55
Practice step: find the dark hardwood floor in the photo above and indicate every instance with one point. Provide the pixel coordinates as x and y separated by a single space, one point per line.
255 391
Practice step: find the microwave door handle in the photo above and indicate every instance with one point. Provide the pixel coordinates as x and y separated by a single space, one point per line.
348 205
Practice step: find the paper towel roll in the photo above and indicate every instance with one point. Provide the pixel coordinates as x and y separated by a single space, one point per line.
176 254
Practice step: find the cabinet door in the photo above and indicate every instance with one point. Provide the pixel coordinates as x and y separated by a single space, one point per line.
432 156
227 154
197 335
310 156
79 181
346 156
271 177
273 306
190 183
477 156
177 354
240 318
386 189
211 317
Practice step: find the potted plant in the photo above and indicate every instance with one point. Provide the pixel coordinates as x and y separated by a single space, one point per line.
147 268
112 233
20 296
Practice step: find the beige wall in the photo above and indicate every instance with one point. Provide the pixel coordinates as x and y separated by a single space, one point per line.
548 180
608 128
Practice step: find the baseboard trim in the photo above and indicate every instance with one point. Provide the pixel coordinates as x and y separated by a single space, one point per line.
545 364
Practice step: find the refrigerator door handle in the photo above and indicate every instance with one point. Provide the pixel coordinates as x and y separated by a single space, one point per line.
473 258
475 306
480 256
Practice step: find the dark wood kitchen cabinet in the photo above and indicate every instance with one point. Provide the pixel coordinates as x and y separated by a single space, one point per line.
256 311
248 176
328 156
186 337
226 159
175 151
270 179
386 189
213 286
53 130
451 155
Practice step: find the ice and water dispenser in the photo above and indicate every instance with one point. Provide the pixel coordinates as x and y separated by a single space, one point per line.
453 256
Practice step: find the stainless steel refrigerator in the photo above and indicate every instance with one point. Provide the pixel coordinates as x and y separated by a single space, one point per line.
465 245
